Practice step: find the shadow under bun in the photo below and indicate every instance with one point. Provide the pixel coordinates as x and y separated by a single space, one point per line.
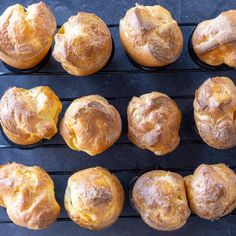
26 34
27 193
211 191
214 40
150 36
94 198
215 112
28 116
159 196
154 122
83 45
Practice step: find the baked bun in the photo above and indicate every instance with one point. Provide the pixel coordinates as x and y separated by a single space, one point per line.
211 191
215 112
154 123
214 41
83 45
94 198
26 34
90 124
28 116
150 36
159 196
27 193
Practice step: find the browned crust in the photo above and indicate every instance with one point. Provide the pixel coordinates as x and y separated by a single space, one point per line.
214 41
83 45
91 124
28 116
27 193
154 122
159 196
215 112
26 34
150 36
94 198
211 191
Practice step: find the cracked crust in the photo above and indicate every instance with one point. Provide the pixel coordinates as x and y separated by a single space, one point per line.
28 116
26 34
211 191
215 112
94 198
154 122
159 196
83 45
214 41
150 36
27 193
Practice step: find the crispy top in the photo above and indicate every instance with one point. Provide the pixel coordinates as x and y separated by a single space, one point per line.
154 122
211 191
160 198
25 32
151 33
27 193
94 198
214 41
27 116
83 44
215 112
90 124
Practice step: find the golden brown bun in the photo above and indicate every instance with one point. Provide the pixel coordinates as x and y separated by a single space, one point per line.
214 41
28 116
27 193
83 45
26 34
215 112
90 124
150 36
154 122
94 198
159 196
211 191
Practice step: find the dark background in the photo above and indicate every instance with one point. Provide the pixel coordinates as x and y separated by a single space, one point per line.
119 82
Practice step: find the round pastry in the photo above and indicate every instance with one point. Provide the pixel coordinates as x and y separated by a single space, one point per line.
83 45
159 196
154 123
28 116
90 124
211 191
150 36
94 198
27 193
26 34
214 40
215 112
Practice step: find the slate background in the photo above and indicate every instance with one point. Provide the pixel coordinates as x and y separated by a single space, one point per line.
119 82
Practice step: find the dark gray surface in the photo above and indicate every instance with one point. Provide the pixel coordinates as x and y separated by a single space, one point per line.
118 82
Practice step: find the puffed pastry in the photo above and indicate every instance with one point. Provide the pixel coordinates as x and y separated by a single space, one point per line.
94 198
150 36
90 124
214 41
211 191
28 116
215 112
83 45
27 193
26 34
154 122
160 198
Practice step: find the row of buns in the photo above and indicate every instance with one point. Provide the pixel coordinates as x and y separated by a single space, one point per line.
94 198
92 125
83 45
